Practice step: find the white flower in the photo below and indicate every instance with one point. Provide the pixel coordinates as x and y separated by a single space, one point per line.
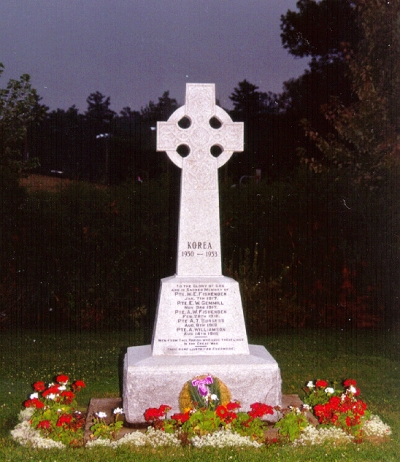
329 390
51 396
26 414
214 397
310 384
306 407
62 387
28 436
118 410
223 439
159 438
311 436
101 415
352 389
154 438
34 395
375 427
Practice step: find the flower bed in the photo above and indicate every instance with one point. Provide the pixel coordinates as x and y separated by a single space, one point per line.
51 419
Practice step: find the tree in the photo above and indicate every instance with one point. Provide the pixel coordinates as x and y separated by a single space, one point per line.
367 132
153 112
98 124
379 53
98 113
360 162
265 132
321 30
127 113
19 108
59 142
249 103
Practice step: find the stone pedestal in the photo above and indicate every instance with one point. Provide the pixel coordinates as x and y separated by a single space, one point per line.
150 381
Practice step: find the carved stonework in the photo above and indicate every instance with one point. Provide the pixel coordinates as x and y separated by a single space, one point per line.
199 247
200 108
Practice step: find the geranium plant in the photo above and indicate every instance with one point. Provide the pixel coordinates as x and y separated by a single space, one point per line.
319 392
208 412
200 421
339 408
102 429
51 418
293 422
55 412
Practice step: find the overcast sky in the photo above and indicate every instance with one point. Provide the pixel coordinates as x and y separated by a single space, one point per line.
134 50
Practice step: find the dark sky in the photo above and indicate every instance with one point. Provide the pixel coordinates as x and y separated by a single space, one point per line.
134 50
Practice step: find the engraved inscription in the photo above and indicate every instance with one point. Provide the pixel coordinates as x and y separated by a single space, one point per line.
200 319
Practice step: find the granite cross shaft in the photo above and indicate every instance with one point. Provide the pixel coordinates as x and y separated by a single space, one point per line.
193 125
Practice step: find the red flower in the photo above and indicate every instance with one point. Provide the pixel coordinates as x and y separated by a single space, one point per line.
39 386
64 419
260 409
181 418
349 383
232 406
34 402
156 413
334 402
78 384
164 408
62 378
321 383
230 417
44 424
221 411
54 389
68 396
151 414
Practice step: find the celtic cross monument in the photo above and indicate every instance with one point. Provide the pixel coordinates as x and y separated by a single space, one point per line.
199 248
199 327
199 310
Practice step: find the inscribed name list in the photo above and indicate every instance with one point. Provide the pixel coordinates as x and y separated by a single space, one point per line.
203 319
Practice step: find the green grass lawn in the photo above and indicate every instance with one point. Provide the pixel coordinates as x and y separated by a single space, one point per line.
370 357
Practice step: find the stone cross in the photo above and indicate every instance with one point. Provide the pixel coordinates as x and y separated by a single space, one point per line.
199 125
199 328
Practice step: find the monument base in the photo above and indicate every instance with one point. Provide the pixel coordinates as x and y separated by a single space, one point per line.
150 381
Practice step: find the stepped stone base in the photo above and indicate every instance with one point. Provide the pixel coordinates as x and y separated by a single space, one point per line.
150 381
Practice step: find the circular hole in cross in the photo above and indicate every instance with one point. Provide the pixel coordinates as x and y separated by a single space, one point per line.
185 122
215 123
216 150
183 150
